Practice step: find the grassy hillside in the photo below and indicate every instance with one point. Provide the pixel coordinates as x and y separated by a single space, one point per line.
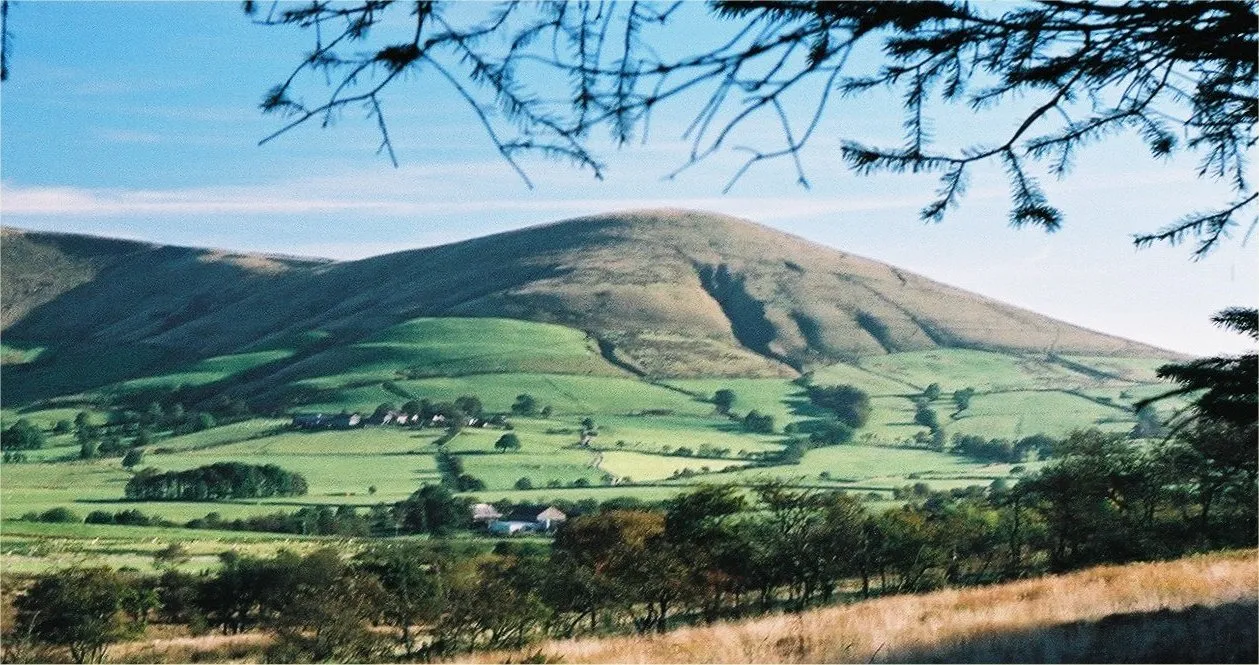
1200 609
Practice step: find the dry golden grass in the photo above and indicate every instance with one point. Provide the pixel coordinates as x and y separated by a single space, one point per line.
1089 615
213 648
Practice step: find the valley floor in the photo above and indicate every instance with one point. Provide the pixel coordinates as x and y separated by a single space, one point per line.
1198 609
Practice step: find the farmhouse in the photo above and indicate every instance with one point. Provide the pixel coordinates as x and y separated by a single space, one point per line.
541 519
484 513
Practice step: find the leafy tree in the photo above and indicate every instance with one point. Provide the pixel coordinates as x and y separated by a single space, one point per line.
175 415
22 435
524 483
926 416
506 442
759 423
850 404
495 607
384 409
832 432
628 558
244 591
63 427
932 392
1098 499
1179 76
811 536
153 414
324 613
469 483
411 580
470 405
88 449
723 399
434 509
133 457
78 608
1215 464
962 398
112 445
525 405
204 421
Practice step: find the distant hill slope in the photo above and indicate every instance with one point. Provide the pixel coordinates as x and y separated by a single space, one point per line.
663 292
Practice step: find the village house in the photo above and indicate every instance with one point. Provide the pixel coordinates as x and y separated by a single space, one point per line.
484 513
392 417
528 519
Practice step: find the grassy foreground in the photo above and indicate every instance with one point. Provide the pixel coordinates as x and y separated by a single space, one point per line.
1199 609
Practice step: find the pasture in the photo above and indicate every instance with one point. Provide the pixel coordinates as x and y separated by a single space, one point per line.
456 347
203 372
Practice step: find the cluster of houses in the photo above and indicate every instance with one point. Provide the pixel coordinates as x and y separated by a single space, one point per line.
326 420
345 420
521 519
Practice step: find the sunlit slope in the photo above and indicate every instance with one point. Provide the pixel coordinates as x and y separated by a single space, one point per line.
435 347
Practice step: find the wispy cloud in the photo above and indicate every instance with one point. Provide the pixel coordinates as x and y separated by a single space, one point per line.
420 191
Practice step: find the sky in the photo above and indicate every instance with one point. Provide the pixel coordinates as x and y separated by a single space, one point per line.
141 120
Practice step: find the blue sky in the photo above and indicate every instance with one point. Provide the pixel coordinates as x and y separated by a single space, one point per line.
140 120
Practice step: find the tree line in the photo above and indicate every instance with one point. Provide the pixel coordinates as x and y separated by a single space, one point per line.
215 482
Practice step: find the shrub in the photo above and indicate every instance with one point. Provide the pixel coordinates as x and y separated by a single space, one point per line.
58 514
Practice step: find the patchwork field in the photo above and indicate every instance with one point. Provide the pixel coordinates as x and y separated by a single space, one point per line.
651 439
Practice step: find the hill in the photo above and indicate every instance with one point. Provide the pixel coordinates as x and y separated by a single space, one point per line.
665 293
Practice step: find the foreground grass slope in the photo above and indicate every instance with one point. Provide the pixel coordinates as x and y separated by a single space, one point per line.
1199 609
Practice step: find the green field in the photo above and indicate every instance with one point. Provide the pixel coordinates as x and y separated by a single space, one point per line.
954 369
456 347
640 466
206 371
1023 413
